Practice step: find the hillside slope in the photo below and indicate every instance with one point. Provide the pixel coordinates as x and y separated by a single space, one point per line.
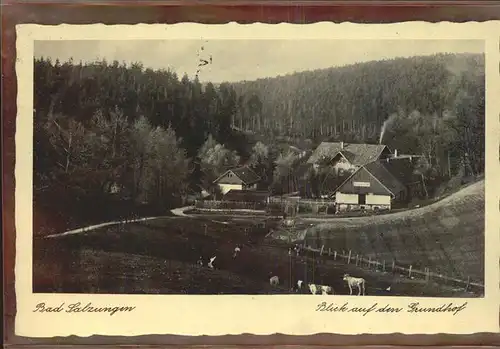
447 236
354 100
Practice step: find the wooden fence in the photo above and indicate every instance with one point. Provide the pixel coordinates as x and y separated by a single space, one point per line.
392 267
228 205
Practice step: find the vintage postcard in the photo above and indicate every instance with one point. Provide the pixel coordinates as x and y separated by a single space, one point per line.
224 179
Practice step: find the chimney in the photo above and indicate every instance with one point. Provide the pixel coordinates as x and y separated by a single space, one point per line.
342 145
395 153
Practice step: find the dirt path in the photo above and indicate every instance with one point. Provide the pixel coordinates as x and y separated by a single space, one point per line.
101 225
180 211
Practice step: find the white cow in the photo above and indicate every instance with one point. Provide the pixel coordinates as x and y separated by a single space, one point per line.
359 283
326 290
210 264
274 280
312 288
299 284
320 289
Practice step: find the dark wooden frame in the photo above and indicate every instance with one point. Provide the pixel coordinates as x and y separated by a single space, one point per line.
129 12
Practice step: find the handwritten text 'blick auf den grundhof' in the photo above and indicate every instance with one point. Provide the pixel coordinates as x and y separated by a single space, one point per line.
415 308
79 308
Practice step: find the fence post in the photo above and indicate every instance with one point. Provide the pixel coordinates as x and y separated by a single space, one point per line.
334 255
427 272
393 264
322 248
383 265
329 251
468 284
349 257
357 258
409 271
369 262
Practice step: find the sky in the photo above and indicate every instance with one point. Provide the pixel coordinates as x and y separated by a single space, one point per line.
237 60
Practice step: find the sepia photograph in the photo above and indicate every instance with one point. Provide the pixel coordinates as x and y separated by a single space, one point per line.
290 179
259 167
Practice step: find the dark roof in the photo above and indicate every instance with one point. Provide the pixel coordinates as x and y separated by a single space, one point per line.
357 153
402 168
244 173
394 174
246 196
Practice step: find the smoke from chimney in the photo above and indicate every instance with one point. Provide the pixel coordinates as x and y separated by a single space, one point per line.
382 131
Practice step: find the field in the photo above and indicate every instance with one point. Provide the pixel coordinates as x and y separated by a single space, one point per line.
446 236
159 257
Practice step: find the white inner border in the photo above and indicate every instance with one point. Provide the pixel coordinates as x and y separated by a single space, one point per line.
220 315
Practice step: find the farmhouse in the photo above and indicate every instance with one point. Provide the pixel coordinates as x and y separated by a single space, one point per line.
378 184
240 178
347 157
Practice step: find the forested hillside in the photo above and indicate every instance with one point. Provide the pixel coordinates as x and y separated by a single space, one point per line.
354 100
124 133
431 105
109 131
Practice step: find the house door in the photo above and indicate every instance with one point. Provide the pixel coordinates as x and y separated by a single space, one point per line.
362 199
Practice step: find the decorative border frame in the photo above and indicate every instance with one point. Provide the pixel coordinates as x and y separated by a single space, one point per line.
208 12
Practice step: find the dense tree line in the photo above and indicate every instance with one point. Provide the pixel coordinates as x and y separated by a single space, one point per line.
106 131
430 105
353 101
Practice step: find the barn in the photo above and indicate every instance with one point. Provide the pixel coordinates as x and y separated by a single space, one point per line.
240 178
378 185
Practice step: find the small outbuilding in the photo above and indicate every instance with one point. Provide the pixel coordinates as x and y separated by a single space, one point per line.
240 178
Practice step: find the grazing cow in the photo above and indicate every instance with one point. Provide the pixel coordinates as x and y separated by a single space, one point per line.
210 264
274 281
326 290
313 288
320 289
359 283
299 285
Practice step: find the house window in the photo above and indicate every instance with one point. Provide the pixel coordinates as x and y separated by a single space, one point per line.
362 199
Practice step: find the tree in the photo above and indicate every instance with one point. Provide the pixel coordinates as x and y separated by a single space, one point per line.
215 159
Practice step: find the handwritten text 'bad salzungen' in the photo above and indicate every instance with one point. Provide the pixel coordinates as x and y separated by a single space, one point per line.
78 308
415 308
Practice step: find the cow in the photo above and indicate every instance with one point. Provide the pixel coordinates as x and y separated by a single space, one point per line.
274 281
359 283
299 285
210 264
320 289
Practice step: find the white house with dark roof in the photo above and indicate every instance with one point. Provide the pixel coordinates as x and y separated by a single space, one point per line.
377 185
240 178
347 156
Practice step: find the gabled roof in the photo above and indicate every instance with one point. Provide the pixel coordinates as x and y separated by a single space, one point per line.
394 174
358 154
402 168
244 173
384 176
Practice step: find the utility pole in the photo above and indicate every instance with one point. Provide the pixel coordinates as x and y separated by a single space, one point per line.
449 165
